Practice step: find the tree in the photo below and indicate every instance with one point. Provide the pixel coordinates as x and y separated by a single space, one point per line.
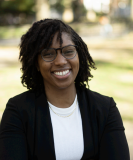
76 6
78 9
17 6
132 10
42 9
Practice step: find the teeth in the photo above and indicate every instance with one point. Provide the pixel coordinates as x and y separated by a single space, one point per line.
61 73
64 72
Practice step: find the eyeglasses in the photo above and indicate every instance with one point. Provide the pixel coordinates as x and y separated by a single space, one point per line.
68 52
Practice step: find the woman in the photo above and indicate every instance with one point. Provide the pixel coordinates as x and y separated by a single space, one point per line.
59 118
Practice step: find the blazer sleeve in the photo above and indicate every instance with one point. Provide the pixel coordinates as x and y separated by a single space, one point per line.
12 136
113 145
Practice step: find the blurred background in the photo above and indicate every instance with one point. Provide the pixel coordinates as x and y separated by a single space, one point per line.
105 25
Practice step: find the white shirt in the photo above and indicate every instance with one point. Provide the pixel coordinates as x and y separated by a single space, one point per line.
67 132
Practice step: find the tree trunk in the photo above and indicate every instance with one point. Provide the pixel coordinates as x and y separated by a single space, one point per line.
78 9
132 10
42 9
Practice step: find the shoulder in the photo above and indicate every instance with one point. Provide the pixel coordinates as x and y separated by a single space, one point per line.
95 94
22 99
22 106
97 97
98 102
23 96
102 110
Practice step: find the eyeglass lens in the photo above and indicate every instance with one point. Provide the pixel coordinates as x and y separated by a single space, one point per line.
68 52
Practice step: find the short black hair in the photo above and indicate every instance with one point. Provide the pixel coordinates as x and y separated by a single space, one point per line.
40 36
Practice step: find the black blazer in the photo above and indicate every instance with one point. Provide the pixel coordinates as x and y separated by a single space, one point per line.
26 130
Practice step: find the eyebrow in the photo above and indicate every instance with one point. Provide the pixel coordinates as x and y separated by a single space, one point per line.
61 47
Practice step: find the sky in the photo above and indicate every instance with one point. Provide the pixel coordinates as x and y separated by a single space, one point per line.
96 5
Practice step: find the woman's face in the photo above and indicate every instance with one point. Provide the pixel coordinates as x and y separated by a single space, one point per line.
50 70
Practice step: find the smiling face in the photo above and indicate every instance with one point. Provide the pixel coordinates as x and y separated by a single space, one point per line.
60 73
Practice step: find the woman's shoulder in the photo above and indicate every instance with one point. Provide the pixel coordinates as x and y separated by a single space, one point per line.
23 95
22 102
99 100
96 95
26 97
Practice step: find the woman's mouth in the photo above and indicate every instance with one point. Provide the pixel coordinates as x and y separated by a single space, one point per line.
62 74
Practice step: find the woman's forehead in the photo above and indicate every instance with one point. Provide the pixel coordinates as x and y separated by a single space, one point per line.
62 38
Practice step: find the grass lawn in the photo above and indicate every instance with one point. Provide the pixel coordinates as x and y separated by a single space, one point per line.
114 74
7 32
113 77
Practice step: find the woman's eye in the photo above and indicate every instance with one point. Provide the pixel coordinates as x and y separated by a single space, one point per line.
48 54
70 51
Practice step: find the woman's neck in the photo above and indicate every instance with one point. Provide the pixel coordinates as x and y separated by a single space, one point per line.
62 98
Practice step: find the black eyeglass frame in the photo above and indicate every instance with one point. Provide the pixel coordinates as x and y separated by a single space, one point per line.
61 52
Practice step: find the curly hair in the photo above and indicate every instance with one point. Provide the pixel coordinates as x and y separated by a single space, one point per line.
40 36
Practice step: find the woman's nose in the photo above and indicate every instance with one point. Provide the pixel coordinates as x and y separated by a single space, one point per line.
60 60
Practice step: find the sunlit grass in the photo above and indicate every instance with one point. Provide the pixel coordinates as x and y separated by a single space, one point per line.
10 84
113 77
7 32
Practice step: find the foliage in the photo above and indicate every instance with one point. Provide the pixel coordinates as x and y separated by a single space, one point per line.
58 5
12 32
17 6
78 9
76 5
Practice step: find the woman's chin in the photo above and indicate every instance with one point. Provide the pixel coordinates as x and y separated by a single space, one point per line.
64 86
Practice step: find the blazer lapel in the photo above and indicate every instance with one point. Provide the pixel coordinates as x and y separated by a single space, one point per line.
44 143
86 124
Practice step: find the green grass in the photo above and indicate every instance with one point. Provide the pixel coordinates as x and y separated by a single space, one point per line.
7 32
113 77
